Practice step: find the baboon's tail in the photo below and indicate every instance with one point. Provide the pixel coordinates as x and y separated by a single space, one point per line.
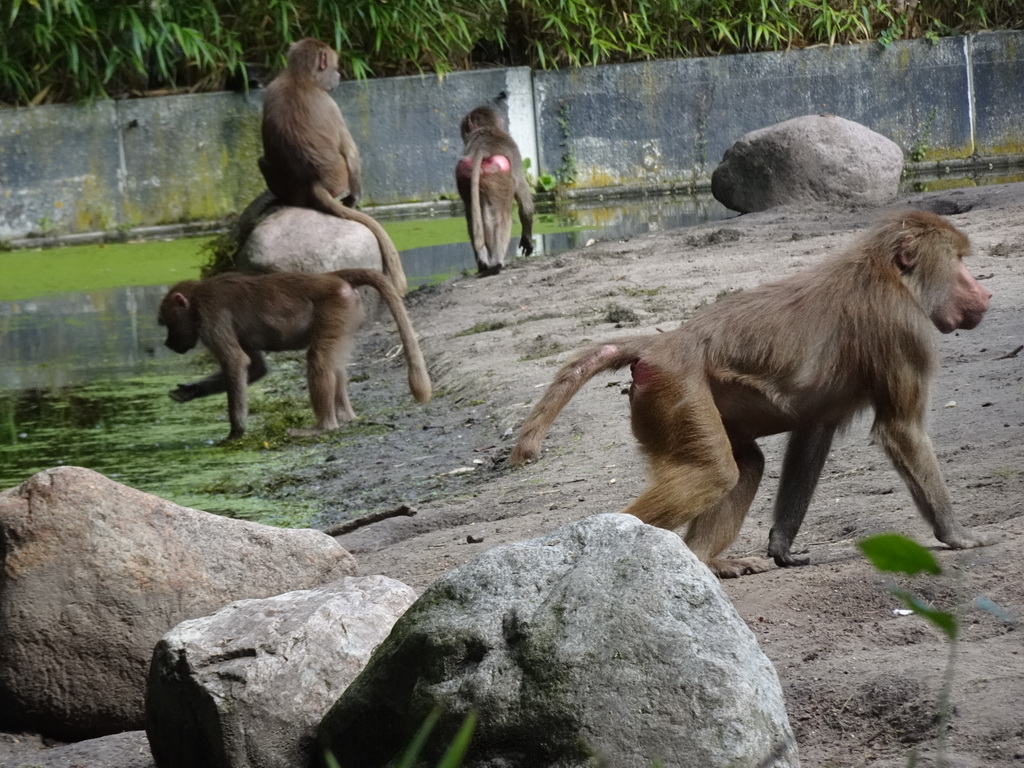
479 241
608 356
419 379
388 253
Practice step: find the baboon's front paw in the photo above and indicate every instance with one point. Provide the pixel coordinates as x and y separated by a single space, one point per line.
783 556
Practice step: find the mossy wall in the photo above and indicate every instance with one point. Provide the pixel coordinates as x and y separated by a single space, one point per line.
127 164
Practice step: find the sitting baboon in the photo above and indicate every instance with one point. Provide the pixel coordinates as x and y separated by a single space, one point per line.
309 156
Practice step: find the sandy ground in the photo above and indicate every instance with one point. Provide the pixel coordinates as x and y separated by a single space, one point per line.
862 683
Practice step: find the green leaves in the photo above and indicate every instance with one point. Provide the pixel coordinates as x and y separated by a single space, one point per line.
81 50
452 757
945 621
892 553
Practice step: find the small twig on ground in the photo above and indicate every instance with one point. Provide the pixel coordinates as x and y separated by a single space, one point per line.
1010 355
348 526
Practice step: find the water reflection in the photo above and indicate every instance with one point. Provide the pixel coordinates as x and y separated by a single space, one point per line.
67 339
70 338
592 220
611 220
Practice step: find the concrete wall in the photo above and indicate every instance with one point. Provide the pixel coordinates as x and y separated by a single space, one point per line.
123 164
669 122
128 164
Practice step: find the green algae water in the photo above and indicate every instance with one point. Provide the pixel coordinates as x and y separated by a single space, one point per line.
84 374
31 272
130 431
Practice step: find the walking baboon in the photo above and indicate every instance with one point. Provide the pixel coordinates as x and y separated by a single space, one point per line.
802 355
489 175
239 317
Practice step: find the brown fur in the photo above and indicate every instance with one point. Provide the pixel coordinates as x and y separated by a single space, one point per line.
238 317
487 194
309 156
802 355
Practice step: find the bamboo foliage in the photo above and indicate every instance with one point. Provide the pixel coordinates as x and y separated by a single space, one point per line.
82 50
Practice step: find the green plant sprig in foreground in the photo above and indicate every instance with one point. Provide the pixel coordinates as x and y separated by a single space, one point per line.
892 553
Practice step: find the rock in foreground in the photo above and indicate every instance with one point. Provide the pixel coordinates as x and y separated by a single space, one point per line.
247 686
606 637
93 573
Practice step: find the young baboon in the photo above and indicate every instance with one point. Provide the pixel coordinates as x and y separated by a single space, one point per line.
239 317
309 157
489 175
802 355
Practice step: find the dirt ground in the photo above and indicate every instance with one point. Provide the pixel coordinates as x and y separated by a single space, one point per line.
862 683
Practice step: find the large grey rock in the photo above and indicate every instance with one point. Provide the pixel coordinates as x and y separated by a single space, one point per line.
292 239
247 686
607 637
815 158
93 573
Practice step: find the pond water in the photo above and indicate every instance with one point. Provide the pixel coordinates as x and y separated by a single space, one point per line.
84 375
63 339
